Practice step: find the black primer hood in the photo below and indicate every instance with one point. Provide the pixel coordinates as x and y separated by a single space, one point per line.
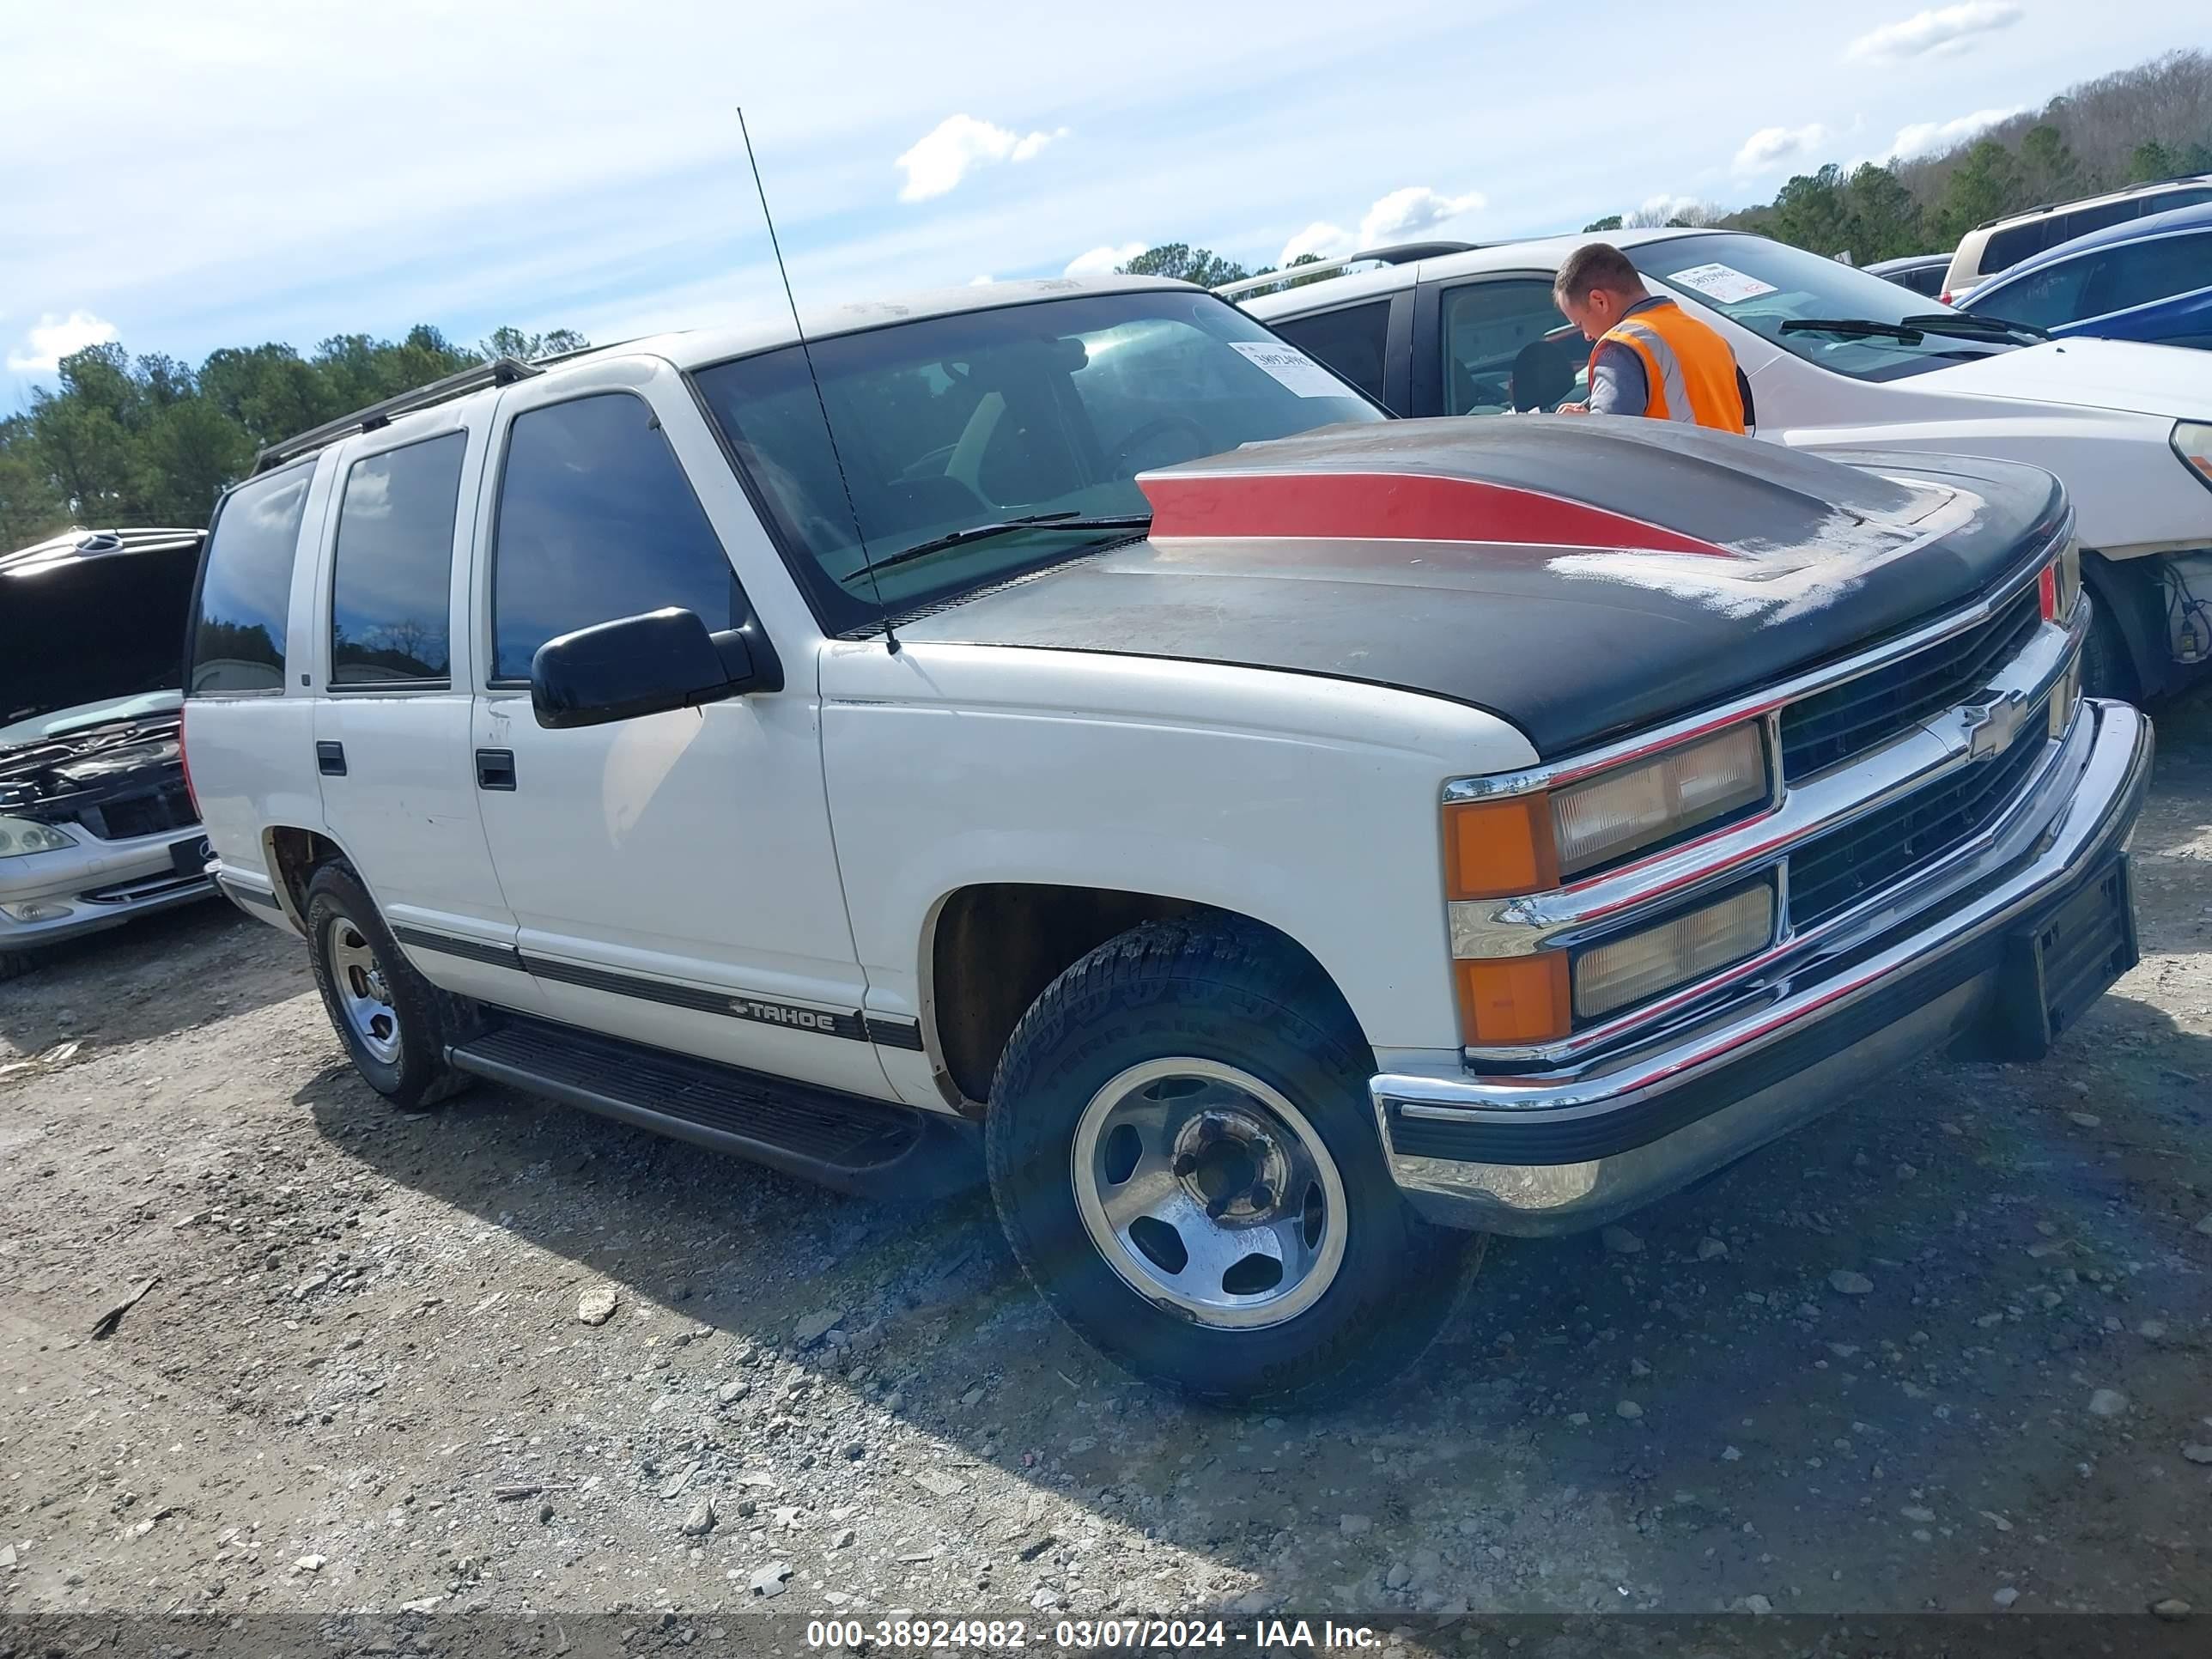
1579 577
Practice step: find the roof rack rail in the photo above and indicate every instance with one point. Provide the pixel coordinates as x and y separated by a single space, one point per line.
2136 189
500 371
1398 253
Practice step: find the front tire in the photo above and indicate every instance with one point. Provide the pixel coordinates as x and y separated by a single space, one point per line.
395 1025
2106 669
1185 1163
13 964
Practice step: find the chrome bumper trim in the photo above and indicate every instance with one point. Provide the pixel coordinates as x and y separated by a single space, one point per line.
2103 790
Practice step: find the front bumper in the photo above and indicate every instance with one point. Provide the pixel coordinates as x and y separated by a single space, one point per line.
94 885
1556 1153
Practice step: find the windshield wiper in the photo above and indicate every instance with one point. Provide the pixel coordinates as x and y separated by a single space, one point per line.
976 532
1913 330
1974 325
1859 326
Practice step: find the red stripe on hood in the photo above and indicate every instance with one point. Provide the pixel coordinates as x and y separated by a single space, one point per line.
1394 507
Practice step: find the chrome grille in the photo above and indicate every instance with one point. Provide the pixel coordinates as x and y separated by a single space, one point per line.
1832 726
1830 873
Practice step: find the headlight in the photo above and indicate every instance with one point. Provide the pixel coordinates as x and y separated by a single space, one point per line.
1702 941
1522 844
2192 441
1633 807
21 836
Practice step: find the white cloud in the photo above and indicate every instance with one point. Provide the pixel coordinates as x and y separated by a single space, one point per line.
54 338
1105 259
1770 146
1932 138
957 144
1329 241
1404 214
1940 30
980 281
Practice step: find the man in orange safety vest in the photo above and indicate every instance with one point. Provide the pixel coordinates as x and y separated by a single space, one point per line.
1650 356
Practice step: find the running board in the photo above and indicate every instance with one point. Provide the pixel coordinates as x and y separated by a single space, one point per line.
839 1140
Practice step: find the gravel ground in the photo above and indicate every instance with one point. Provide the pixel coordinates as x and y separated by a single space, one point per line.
1946 1350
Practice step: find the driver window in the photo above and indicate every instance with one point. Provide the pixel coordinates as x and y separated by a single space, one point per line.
1507 347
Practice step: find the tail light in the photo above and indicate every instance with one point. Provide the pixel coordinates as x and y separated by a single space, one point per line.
185 760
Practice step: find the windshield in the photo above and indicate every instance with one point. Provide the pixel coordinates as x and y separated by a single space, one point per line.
1761 285
957 422
62 721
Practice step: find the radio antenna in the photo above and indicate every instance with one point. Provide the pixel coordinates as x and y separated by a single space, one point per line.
890 639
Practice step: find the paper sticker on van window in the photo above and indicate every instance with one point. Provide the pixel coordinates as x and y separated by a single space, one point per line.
1290 366
1723 284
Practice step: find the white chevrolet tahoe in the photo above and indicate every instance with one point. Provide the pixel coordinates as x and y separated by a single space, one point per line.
1267 839
1838 359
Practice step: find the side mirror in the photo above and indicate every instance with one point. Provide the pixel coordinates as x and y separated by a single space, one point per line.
648 665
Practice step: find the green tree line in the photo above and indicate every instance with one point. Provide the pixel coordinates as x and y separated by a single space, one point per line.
151 440
2151 122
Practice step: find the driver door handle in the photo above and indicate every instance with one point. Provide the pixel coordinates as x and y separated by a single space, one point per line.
495 768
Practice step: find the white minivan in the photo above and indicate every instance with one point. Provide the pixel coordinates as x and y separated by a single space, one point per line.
1838 360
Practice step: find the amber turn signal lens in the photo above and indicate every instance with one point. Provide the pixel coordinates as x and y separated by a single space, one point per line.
1515 999
1499 848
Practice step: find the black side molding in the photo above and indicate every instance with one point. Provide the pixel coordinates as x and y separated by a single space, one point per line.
889 1031
471 949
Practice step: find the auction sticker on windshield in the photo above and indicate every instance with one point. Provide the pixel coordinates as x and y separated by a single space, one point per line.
1724 284
1300 372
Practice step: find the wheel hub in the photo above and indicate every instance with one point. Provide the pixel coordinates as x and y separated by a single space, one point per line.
1209 1192
364 993
1231 1166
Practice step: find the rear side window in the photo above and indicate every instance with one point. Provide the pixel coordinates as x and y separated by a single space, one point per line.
2045 297
389 594
2007 248
245 590
2158 269
1507 346
596 521
1354 341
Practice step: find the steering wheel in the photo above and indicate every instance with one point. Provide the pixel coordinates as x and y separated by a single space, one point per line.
1158 427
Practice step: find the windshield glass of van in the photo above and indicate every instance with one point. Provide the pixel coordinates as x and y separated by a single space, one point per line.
959 423
1761 285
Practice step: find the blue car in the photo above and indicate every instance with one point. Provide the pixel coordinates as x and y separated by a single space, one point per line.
2144 279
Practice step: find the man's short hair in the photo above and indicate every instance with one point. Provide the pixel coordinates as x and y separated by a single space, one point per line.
1597 264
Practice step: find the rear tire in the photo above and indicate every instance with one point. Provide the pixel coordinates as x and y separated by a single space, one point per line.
13 964
395 1025
1185 1161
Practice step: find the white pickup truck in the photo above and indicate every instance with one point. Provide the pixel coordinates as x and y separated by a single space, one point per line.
1268 840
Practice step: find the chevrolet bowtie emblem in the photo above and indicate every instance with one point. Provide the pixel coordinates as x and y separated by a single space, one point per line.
1991 726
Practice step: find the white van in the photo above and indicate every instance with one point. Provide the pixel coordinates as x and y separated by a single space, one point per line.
1999 245
1838 361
